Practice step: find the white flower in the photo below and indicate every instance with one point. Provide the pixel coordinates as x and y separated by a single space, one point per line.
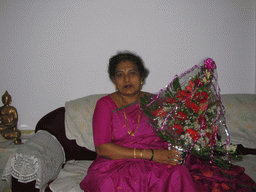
231 148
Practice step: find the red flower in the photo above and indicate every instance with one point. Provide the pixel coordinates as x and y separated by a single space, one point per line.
209 135
159 113
182 94
177 127
194 107
198 82
212 139
181 116
193 134
202 121
201 97
203 107
190 87
170 100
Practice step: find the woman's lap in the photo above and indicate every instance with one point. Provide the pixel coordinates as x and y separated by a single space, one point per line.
138 175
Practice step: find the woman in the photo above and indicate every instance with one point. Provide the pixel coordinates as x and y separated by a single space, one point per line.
131 157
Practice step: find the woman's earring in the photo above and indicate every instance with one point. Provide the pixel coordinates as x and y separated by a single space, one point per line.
116 88
141 84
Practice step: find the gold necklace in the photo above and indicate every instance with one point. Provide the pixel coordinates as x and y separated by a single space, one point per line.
129 130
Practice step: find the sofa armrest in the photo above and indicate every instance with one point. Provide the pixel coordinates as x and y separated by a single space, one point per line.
39 159
53 122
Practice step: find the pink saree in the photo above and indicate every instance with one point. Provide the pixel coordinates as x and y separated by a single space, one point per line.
109 125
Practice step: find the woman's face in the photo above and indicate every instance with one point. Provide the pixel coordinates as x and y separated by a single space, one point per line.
127 78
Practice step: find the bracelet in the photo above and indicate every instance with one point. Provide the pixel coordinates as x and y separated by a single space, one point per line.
141 154
152 155
134 153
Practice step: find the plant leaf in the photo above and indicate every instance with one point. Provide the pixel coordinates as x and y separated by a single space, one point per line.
176 84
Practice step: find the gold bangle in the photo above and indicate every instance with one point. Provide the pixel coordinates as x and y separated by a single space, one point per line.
141 153
134 153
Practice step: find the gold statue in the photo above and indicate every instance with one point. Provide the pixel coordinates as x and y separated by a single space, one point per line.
9 119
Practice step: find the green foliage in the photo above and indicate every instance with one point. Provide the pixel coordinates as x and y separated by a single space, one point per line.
176 84
169 93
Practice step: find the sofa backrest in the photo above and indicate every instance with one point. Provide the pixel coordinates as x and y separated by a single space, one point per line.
241 118
78 120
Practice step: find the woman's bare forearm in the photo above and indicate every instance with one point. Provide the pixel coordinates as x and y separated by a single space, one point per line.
113 151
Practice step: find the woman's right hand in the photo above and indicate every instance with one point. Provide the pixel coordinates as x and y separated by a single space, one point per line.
170 157
113 151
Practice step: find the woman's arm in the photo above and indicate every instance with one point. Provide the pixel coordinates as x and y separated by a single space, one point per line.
113 151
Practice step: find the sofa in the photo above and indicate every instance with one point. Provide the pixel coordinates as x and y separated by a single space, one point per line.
65 134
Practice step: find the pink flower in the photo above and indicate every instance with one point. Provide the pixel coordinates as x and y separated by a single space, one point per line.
209 64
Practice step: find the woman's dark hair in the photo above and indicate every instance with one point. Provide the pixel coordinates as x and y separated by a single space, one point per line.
127 56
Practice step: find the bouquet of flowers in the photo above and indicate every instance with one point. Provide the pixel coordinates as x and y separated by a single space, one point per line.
189 114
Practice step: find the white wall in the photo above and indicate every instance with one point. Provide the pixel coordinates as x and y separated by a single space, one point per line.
53 51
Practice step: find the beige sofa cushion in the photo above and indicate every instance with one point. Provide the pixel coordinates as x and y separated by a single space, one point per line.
241 118
78 120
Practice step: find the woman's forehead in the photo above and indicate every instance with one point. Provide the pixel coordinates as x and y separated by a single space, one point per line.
126 65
